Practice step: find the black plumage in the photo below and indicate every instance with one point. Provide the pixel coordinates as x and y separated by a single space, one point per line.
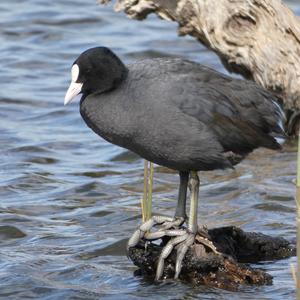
175 112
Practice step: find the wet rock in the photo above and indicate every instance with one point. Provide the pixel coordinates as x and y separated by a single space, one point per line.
201 266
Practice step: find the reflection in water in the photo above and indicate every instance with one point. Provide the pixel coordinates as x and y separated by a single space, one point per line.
69 200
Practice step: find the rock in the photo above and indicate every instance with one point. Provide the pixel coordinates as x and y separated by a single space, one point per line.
201 266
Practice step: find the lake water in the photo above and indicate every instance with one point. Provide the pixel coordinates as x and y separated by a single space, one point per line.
69 200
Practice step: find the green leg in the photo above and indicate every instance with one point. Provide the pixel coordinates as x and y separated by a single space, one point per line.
150 187
194 187
147 193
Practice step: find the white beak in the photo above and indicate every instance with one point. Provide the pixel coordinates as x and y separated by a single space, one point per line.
73 90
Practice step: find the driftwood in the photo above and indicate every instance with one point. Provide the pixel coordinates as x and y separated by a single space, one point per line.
259 39
228 271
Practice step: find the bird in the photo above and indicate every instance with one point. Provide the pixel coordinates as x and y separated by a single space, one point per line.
178 114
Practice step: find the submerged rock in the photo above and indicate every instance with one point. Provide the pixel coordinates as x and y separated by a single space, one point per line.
201 266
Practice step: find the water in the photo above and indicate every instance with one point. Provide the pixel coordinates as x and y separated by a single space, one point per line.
69 200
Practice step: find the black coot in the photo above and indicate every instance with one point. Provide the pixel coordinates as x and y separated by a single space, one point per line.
178 114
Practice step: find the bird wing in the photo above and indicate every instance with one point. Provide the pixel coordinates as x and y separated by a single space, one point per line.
241 114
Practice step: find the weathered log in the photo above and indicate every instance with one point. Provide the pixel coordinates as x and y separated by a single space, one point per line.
259 39
228 271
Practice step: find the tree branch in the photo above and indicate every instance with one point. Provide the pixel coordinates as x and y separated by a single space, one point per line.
259 39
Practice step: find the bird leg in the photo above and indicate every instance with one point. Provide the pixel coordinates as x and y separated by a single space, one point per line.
181 238
181 203
166 222
187 237
184 241
147 193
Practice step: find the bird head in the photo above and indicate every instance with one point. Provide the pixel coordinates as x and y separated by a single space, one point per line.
96 70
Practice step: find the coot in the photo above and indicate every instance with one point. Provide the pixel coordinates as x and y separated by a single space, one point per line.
178 114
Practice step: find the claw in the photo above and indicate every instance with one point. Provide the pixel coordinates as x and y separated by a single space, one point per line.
135 238
181 252
161 233
143 230
174 223
166 252
206 242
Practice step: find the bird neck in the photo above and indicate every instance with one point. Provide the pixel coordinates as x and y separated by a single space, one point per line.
107 81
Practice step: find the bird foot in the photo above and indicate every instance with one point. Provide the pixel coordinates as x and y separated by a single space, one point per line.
180 238
182 243
143 231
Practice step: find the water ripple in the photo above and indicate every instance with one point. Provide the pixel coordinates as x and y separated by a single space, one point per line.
69 200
